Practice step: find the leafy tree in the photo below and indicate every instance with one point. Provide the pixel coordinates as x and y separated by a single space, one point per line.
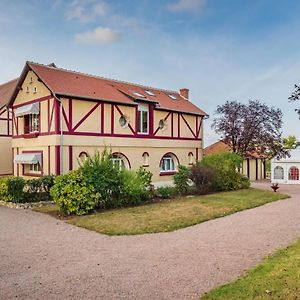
295 97
251 127
290 142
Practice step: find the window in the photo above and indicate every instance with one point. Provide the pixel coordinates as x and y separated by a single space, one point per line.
278 173
162 124
173 97
31 123
145 159
150 93
31 80
138 94
35 168
35 90
83 157
143 119
27 89
294 173
191 158
123 121
167 164
120 160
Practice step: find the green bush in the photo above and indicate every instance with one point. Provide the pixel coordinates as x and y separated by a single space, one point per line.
73 194
15 188
166 192
135 187
226 175
99 171
47 183
4 194
202 177
181 179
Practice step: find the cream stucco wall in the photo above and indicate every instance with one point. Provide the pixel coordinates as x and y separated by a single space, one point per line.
5 156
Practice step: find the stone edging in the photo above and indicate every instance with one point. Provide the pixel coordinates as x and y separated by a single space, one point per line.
29 205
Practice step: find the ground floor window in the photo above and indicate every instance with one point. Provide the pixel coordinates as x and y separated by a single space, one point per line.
294 173
120 160
278 173
167 164
35 168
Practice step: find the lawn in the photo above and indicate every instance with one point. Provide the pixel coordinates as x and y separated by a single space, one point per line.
278 277
169 215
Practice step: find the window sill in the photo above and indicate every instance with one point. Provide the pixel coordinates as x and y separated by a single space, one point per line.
31 135
33 174
167 173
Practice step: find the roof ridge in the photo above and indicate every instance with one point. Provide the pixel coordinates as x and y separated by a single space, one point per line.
104 78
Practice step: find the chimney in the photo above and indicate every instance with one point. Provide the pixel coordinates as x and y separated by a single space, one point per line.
184 93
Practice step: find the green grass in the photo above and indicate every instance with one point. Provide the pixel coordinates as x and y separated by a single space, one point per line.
278 277
170 215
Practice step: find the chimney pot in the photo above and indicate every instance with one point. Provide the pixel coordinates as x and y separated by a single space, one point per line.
184 93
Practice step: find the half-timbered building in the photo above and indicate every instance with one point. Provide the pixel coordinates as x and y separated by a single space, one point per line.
6 91
60 117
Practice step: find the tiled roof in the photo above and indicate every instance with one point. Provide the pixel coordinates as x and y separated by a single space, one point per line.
69 83
6 90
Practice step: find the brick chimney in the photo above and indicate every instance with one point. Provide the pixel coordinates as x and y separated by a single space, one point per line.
184 93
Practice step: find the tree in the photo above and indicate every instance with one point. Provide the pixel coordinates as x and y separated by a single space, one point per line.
249 128
290 142
295 97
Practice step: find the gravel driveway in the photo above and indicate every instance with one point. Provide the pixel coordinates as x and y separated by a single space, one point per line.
43 258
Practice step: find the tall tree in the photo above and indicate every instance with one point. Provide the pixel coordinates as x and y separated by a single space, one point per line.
249 128
295 97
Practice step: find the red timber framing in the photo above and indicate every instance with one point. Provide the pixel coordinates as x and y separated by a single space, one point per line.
6 120
54 122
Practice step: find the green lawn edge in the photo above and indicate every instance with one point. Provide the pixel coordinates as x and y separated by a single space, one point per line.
169 215
277 277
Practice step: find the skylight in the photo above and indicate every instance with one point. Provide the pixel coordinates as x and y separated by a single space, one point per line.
172 97
138 94
149 93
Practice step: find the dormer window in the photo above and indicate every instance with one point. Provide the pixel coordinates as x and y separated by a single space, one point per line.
150 93
143 119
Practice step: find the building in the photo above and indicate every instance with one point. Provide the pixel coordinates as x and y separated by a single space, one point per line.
286 170
254 166
60 117
6 166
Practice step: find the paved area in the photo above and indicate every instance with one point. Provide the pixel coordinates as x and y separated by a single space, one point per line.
43 258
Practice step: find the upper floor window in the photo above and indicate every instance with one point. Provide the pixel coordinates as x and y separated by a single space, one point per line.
143 119
31 123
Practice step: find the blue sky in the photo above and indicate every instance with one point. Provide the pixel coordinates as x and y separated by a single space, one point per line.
220 50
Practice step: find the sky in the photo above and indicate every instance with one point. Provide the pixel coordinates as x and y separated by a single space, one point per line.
220 50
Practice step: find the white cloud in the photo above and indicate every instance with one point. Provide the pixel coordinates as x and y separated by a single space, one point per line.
100 35
186 6
86 10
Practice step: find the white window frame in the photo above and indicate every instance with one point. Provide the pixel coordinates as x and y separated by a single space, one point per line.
118 161
167 164
142 109
31 126
35 168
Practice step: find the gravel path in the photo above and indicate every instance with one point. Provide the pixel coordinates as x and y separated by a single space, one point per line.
43 258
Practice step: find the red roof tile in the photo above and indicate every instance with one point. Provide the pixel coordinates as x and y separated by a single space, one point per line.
69 83
6 91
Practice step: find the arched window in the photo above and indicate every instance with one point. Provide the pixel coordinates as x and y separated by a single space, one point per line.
191 158
294 173
278 173
83 156
120 160
145 159
168 163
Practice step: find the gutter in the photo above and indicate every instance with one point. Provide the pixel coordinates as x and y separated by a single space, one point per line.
61 142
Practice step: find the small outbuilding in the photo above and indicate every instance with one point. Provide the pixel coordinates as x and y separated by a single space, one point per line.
286 170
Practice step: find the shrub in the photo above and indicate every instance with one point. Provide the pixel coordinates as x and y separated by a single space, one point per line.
47 183
135 187
225 165
181 179
166 192
4 194
73 194
15 188
99 171
202 177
